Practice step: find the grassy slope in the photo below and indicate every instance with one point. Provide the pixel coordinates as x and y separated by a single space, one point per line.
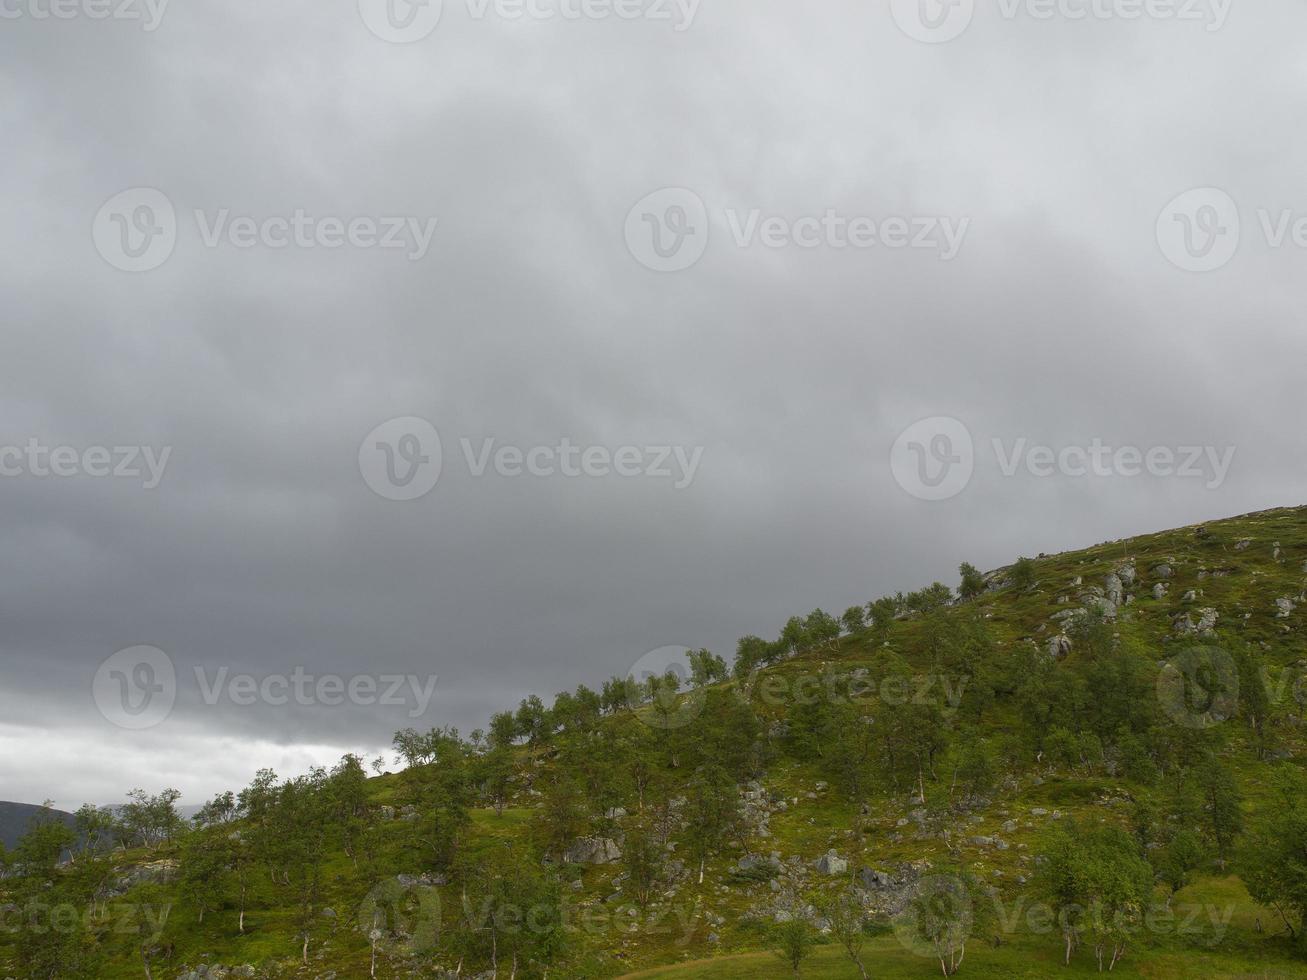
809 827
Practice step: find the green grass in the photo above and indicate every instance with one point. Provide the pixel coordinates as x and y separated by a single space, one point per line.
810 826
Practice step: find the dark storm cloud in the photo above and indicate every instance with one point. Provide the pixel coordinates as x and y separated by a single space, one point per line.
794 369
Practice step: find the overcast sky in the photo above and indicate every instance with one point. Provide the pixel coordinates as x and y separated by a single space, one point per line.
1055 278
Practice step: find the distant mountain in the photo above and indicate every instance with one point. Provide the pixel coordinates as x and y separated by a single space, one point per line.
16 817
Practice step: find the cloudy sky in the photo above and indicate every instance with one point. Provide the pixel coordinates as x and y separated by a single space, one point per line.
340 341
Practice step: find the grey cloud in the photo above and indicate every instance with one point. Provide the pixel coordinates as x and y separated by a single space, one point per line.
795 370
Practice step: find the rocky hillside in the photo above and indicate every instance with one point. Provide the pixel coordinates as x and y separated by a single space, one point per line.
1125 720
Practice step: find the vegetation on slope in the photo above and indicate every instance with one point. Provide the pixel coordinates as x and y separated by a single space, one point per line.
1083 762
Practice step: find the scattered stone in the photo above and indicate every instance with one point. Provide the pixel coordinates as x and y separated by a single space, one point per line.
1184 624
593 850
153 872
217 972
422 880
1114 590
831 863
751 861
889 893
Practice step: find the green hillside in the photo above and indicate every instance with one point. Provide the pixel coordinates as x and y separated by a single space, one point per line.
1099 751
